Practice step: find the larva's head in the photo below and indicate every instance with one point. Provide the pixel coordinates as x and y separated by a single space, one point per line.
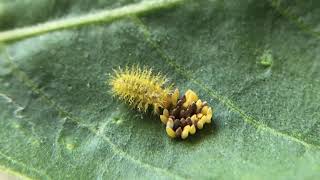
140 88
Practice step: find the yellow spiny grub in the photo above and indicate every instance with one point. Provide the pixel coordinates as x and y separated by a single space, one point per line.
140 88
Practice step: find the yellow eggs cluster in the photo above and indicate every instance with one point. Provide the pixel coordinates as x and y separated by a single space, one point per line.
185 115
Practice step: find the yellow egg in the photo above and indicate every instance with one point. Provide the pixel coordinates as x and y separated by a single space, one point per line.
163 119
170 132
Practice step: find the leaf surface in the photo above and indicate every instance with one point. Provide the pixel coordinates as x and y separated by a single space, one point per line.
255 62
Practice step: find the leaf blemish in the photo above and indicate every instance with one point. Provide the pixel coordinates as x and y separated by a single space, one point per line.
5 97
17 112
68 143
35 143
117 120
266 59
70 146
19 109
16 126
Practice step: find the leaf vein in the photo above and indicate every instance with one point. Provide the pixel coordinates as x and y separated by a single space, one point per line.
98 17
304 27
28 167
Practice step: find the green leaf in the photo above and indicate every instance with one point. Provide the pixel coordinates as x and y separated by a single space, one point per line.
256 62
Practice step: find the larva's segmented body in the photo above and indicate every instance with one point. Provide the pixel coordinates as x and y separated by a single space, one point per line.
141 89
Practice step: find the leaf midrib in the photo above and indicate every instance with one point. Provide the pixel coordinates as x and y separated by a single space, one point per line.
71 22
114 14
